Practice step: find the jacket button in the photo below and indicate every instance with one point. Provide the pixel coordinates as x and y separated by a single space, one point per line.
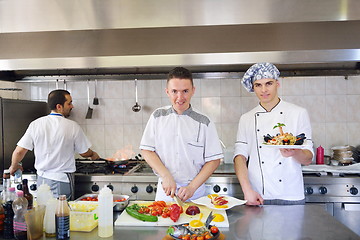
281 112
258 130
280 163
257 114
262 162
280 180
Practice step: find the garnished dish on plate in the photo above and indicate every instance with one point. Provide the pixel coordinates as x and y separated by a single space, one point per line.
195 230
287 140
215 201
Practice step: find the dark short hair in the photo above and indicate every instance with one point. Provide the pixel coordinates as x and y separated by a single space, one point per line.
180 72
57 97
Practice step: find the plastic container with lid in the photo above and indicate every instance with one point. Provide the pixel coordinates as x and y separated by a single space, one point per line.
320 155
83 216
105 213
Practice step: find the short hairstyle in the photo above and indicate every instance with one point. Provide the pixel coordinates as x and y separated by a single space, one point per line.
56 97
180 72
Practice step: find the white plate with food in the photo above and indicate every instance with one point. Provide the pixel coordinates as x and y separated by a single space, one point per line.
223 202
285 146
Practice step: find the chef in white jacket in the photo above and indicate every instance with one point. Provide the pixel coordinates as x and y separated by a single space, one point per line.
269 175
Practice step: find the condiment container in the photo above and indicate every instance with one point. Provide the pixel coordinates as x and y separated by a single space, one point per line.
105 213
320 155
83 216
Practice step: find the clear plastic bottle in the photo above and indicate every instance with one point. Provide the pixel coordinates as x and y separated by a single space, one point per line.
62 218
9 214
105 213
27 194
20 206
6 184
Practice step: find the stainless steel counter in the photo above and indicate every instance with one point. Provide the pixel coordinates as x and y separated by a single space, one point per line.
267 222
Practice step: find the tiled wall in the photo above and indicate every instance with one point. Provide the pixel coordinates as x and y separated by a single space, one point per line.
332 103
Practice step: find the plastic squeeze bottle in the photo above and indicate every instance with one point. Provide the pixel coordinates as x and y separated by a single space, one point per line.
20 206
105 213
62 219
320 155
49 218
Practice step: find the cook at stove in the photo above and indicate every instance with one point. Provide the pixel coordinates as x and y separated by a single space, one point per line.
180 143
55 140
269 175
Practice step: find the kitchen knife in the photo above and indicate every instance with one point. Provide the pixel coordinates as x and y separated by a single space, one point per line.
178 201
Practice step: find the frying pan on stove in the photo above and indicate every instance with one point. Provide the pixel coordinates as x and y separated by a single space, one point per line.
112 161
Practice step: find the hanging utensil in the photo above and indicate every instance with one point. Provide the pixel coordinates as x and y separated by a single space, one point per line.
65 87
96 100
90 110
136 107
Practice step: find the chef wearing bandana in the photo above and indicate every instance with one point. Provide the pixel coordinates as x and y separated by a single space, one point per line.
270 175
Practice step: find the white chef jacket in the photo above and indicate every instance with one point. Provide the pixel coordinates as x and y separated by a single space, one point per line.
55 140
271 174
184 143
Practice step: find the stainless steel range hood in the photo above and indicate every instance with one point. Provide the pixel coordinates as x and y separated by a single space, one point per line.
48 37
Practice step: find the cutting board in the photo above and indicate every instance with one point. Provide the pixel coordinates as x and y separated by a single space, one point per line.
126 220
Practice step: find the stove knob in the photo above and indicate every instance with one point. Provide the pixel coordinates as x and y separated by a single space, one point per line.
149 189
216 188
19 187
33 187
354 191
134 189
110 186
95 188
309 190
323 190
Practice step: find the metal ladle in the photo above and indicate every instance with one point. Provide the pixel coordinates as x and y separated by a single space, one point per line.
136 107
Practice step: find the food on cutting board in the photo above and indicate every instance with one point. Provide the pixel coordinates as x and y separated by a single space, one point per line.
133 211
150 213
95 199
192 210
218 217
186 232
218 201
284 138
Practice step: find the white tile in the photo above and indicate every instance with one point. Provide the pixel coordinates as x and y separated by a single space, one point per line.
228 134
336 108
314 85
114 136
336 85
292 86
152 89
352 132
78 89
196 104
112 89
129 89
315 105
96 135
353 110
197 85
211 108
114 109
132 135
230 109
319 135
210 88
230 87
353 85
149 107
336 134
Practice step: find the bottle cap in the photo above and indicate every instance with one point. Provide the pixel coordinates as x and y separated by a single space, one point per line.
6 170
20 193
11 189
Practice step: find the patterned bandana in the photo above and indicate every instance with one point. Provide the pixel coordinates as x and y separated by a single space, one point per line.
259 71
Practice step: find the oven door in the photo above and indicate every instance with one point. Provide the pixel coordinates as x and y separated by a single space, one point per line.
348 214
